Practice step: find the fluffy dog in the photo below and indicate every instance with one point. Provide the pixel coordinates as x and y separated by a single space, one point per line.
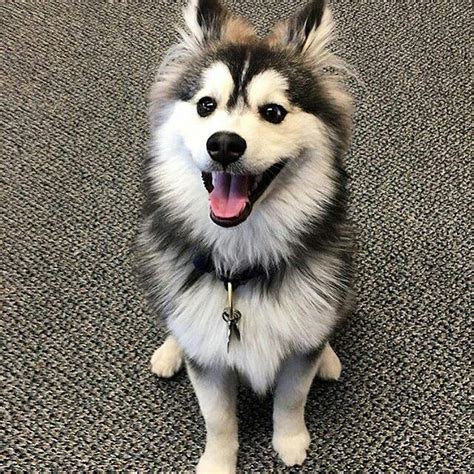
245 245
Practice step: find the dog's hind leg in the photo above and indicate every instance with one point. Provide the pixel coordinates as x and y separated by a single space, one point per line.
329 364
216 390
167 359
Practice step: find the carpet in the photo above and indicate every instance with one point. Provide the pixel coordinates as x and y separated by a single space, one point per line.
76 335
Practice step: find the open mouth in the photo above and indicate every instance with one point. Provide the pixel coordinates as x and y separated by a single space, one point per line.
231 196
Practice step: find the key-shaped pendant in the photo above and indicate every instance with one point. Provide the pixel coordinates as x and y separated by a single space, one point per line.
231 316
232 324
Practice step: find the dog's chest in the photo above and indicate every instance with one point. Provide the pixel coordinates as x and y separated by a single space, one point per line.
272 326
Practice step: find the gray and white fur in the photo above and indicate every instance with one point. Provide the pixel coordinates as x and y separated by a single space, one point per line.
295 231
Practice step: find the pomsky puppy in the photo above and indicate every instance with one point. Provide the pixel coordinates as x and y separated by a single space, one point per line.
245 249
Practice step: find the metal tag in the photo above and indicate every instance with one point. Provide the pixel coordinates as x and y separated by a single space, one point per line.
231 316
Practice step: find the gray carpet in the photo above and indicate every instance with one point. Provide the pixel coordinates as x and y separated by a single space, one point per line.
76 335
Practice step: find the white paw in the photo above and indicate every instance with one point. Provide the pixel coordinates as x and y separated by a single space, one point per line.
209 464
167 359
292 449
330 366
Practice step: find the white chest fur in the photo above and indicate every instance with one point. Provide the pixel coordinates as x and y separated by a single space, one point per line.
296 318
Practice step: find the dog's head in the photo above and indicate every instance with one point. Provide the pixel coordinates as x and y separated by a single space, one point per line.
240 109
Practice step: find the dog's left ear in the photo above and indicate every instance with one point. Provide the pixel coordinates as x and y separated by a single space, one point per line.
209 21
308 32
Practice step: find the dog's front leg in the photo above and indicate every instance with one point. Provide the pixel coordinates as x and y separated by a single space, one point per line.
216 390
290 436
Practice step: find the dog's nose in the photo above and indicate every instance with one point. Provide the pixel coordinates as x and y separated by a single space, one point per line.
226 147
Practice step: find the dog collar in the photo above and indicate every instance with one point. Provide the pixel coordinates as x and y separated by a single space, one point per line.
204 264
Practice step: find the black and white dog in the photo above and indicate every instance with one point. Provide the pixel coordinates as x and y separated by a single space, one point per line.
245 248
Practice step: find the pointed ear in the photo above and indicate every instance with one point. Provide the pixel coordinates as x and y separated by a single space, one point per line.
308 32
205 19
209 21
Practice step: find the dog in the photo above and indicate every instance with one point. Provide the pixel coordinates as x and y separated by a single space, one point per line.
245 245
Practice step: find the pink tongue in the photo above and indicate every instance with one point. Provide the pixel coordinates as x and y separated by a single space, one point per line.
229 196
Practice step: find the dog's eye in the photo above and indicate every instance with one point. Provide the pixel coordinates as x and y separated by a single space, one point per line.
273 113
206 106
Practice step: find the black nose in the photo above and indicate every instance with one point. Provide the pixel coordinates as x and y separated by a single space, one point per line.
226 147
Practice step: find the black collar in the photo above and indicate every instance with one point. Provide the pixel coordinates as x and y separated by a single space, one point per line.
204 264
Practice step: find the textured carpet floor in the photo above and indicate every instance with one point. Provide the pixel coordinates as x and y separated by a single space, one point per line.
76 336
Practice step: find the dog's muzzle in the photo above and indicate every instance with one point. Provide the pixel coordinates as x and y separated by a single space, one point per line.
232 196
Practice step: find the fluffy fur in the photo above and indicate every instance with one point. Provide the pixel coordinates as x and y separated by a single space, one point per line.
297 232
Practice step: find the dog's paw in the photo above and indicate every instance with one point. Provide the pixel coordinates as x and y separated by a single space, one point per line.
330 366
292 449
210 465
167 359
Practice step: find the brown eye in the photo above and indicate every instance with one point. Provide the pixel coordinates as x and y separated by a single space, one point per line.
273 113
206 106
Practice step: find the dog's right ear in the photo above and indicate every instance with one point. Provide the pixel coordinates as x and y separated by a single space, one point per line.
205 19
209 21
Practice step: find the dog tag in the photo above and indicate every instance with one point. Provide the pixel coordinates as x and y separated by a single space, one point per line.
231 316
